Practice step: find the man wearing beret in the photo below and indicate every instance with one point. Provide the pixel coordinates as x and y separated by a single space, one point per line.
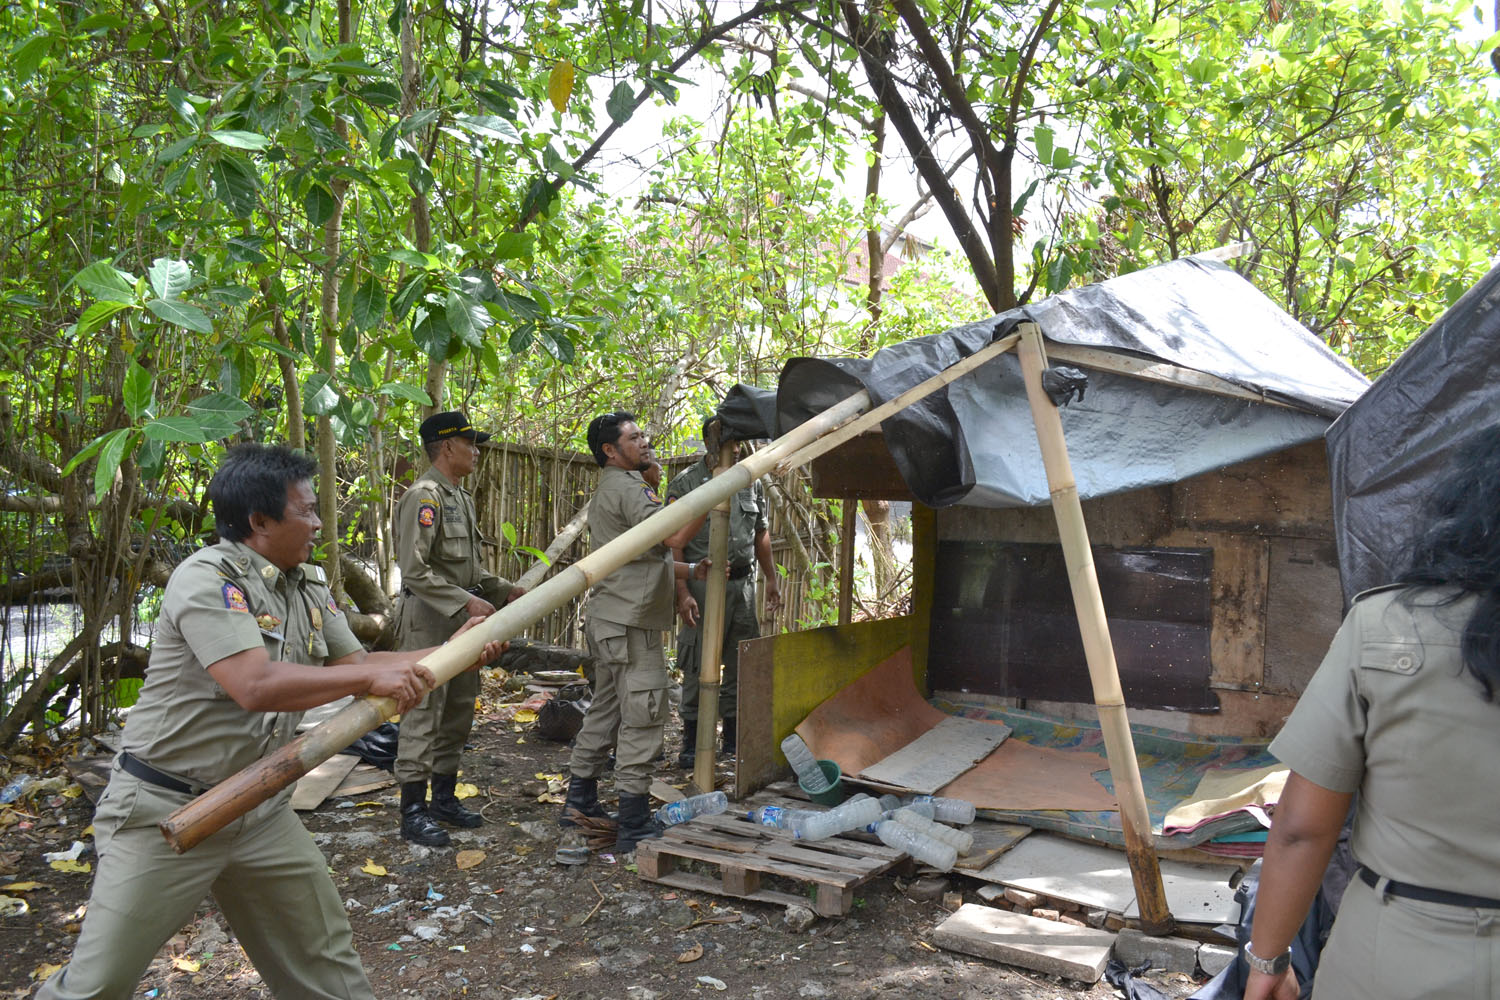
443 583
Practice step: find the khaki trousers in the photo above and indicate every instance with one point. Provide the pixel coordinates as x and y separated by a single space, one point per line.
739 623
1400 949
264 871
433 733
630 705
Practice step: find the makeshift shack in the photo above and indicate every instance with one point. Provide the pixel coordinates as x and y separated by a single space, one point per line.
1197 447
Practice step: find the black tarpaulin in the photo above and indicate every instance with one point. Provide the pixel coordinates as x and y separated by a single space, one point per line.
1385 452
974 443
748 413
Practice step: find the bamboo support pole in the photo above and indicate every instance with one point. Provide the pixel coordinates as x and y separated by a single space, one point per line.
711 634
240 792
565 538
846 561
1099 652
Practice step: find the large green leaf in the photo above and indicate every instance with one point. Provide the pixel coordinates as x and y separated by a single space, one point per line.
26 57
240 140
137 390
235 184
402 390
183 429
508 246
430 332
179 100
183 314
369 304
621 103
169 278
111 454
98 314
409 295
103 281
467 318
489 126
221 404
318 395
320 204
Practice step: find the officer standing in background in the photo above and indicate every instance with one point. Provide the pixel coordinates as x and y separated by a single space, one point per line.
627 613
749 543
443 583
248 638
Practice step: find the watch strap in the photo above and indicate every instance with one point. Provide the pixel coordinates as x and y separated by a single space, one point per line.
1270 966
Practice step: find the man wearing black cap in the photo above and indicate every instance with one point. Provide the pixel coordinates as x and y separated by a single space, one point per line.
443 583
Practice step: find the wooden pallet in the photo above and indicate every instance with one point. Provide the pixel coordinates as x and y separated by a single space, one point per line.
743 851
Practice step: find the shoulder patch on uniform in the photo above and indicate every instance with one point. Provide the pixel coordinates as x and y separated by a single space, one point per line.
651 494
332 606
427 513
671 499
234 598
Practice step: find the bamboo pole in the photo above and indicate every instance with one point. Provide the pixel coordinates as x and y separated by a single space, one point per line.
240 792
565 538
711 634
846 561
1104 674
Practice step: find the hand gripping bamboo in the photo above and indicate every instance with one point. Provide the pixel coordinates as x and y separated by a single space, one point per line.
239 793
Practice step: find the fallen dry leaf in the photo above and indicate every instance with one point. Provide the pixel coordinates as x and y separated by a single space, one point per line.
21 887
13 906
525 715
692 954
464 790
45 971
88 831
64 865
369 802
468 859
184 964
371 868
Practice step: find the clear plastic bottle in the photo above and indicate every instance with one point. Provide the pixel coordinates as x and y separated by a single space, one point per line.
916 843
957 811
890 810
780 817
698 805
17 789
848 815
804 764
962 842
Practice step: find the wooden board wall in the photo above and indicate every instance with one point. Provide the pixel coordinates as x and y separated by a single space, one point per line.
784 677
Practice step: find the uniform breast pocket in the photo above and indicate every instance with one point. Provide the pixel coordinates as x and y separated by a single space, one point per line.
1391 657
274 643
317 646
453 549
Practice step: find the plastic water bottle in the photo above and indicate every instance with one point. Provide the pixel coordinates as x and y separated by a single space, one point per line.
804 764
890 810
848 815
780 817
890 803
698 805
17 789
962 842
957 811
916 843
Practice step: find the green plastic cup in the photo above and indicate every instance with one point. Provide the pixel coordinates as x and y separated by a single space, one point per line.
835 792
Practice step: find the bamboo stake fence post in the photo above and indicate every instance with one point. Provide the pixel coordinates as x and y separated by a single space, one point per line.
237 794
711 634
846 560
1104 673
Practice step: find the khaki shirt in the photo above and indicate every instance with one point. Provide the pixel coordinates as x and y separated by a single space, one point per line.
1393 714
638 594
747 516
438 545
219 601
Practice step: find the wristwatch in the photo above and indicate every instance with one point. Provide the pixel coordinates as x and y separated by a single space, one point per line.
1270 966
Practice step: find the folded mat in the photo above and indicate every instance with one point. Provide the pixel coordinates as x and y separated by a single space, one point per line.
881 712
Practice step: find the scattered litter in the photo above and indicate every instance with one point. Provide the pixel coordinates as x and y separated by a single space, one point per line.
710 981
393 947
71 854
528 949
13 906
386 907
691 955
433 894
457 947
427 932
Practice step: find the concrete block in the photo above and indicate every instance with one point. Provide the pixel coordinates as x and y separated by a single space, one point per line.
1215 958
952 901
1174 954
1027 901
1077 953
1095 918
1045 913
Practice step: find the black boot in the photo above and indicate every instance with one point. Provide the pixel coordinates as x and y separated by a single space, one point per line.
689 755
636 823
445 807
583 797
416 825
729 741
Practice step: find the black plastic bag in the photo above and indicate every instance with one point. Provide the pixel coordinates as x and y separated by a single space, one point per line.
377 747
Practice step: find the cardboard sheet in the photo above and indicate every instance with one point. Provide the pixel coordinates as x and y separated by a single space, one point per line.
939 755
882 712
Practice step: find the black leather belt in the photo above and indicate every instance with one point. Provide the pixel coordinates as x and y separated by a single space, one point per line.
740 572
151 776
1409 891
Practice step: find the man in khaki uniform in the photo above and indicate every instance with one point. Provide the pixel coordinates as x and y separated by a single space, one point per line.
627 613
749 543
443 583
249 637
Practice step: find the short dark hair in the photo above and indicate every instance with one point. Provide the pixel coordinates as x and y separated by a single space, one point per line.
1460 548
605 429
432 448
253 479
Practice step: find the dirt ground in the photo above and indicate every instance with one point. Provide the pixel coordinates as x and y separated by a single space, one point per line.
515 926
